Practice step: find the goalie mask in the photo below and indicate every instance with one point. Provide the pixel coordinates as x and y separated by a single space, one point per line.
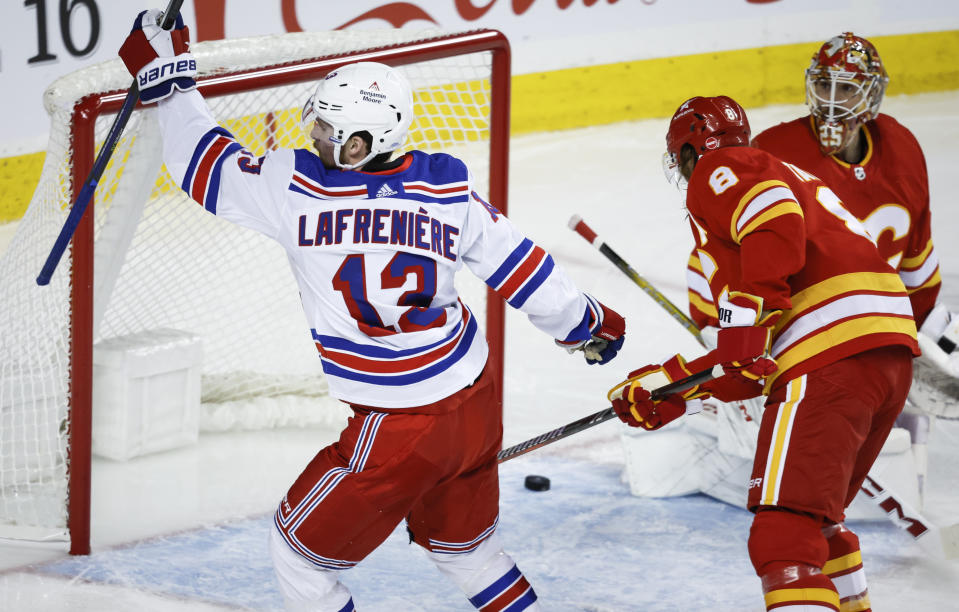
705 124
362 97
844 87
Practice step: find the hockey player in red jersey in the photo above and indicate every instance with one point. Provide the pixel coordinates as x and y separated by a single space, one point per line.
374 244
877 168
808 308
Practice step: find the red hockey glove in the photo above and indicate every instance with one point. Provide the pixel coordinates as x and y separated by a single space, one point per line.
641 411
742 344
159 59
633 404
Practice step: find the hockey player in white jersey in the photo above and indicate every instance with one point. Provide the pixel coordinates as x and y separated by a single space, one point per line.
374 245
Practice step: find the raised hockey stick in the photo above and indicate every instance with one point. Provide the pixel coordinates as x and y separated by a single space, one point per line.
939 541
99 165
579 226
602 416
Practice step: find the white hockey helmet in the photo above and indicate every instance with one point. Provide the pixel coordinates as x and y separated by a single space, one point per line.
363 97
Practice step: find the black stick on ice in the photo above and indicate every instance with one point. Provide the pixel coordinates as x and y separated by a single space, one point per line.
602 416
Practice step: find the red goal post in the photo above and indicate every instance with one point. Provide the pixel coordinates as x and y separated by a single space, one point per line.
462 95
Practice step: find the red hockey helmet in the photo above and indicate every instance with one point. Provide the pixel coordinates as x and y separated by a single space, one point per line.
845 84
704 124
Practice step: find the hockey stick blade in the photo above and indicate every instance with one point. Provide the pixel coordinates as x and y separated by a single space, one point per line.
99 165
940 542
579 226
602 416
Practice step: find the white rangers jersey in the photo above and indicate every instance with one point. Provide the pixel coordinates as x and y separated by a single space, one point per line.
374 255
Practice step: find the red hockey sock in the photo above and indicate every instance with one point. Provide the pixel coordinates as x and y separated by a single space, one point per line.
844 568
787 550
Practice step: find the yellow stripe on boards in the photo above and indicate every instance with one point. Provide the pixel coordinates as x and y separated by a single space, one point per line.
643 89
18 179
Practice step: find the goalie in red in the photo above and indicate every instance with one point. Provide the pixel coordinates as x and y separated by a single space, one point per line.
877 168
374 244
807 307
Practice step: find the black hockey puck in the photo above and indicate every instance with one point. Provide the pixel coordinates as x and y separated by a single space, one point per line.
537 483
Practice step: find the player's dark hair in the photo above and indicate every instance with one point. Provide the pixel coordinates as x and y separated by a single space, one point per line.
686 153
379 162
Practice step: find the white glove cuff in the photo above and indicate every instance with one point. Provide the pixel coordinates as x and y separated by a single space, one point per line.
571 347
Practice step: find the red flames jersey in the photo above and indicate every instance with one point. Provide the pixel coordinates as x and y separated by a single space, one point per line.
770 229
888 192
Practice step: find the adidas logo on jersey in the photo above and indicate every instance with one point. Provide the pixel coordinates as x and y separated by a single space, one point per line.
385 191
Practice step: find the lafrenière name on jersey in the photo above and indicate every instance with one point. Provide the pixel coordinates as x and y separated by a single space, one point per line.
379 226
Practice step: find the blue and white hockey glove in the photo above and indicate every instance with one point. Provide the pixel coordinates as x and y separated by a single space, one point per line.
159 59
608 331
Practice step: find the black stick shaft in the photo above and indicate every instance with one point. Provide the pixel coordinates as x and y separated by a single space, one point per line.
99 165
595 419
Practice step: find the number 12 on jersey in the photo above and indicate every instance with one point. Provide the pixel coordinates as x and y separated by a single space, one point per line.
350 282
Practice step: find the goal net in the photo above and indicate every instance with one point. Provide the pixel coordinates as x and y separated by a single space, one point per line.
146 260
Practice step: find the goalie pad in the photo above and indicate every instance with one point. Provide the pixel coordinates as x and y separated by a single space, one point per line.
712 453
738 426
935 380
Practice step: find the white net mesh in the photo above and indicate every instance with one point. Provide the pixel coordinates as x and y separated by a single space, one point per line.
162 262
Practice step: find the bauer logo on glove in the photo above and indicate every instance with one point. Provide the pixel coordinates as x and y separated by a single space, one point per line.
166 71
